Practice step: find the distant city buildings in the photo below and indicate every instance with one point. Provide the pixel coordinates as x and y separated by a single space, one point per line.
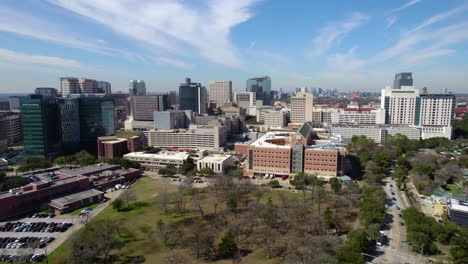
220 92
72 85
46 91
15 102
261 86
104 87
137 87
193 96
403 79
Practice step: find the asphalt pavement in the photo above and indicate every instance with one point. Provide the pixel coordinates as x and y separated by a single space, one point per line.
394 249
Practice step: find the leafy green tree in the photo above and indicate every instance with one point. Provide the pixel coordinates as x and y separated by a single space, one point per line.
228 246
167 171
329 220
335 185
118 204
436 142
459 250
274 184
65 160
358 241
206 171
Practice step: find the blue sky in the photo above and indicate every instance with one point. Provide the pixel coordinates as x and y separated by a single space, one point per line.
348 45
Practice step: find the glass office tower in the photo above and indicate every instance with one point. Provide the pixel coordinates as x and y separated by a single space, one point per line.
261 86
40 119
193 96
96 120
69 116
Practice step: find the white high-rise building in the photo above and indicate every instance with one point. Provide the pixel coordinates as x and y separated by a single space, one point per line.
220 92
433 113
88 86
400 105
301 108
137 87
69 85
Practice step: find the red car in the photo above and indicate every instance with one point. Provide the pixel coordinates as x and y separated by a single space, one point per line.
284 177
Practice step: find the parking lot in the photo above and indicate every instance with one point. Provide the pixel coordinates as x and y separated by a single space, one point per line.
31 236
45 227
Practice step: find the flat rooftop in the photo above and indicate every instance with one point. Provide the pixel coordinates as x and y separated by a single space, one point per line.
53 184
77 197
216 158
262 141
164 154
88 169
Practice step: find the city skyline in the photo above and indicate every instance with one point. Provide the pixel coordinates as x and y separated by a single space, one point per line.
350 46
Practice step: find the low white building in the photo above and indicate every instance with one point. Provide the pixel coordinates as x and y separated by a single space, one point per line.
216 163
158 160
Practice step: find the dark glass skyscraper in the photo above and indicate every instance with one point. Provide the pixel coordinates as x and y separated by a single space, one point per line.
403 79
192 96
261 86
96 120
69 116
40 118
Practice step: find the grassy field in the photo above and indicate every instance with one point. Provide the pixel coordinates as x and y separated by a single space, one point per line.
138 225
453 188
77 211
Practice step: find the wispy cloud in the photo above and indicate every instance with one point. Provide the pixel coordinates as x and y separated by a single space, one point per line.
173 62
332 34
345 61
252 44
439 17
20 23
407 4
172 25
390 21
21 59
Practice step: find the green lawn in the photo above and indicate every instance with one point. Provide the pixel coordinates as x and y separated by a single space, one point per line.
127 134
453 188
77 211
138 225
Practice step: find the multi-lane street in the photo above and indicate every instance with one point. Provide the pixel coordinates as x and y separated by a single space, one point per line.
394 249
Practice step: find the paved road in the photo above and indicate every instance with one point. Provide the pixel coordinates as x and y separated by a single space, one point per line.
395 250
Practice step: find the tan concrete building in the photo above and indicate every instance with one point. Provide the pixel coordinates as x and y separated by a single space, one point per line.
197 137
220 92
274 118
301 108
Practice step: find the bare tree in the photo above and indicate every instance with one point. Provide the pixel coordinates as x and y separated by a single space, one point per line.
128 196
167 234
180 201
201 240
267 238
163 200
197 202
176 258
